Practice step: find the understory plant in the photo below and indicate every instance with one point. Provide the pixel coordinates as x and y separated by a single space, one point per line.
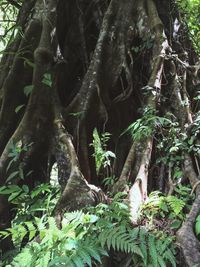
85 238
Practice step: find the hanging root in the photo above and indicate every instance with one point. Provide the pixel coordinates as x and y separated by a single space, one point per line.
138 192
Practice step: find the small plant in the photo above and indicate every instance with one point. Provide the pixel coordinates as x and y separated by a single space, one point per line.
146 125
103 157
109 181
30 206
184 193
16 150
164 212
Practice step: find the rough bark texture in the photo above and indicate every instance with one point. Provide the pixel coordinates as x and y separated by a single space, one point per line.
97 79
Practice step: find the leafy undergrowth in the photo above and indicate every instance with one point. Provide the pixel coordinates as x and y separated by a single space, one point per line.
89 235
166 213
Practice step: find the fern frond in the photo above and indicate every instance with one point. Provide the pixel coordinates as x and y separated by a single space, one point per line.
22 231
24 259
59 260
161 262
136 250
176 204
71 264
111 238
170 257
143 245
74 216
104 236
31 229
134 233
52 223
152 250
78 261
44 260
84 255
162 245
120 239
95 253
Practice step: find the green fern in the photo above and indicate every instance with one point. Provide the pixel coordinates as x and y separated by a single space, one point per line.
23 259
165 251
152 250
168 255
163 245
161 261
85 237
119 239
143 246
85 253
175 203
44 260
32 229
155 251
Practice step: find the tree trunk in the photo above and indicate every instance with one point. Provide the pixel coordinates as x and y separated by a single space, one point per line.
97 64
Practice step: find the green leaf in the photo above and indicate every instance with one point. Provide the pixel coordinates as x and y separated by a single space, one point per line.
29 63
85 256
70 244
58 261
47 79
12 175
28 89
163 206
198 218
94 253
22 230
13 196
175 224
197 225
78 262
25 188
10 163
175 203
178 174
161 261
4 234
9 190
191 141
32 234
19 108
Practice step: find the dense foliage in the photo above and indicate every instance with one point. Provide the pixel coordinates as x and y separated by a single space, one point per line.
90 235
191 14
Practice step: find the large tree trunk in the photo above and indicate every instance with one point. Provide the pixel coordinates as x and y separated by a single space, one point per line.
95 65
